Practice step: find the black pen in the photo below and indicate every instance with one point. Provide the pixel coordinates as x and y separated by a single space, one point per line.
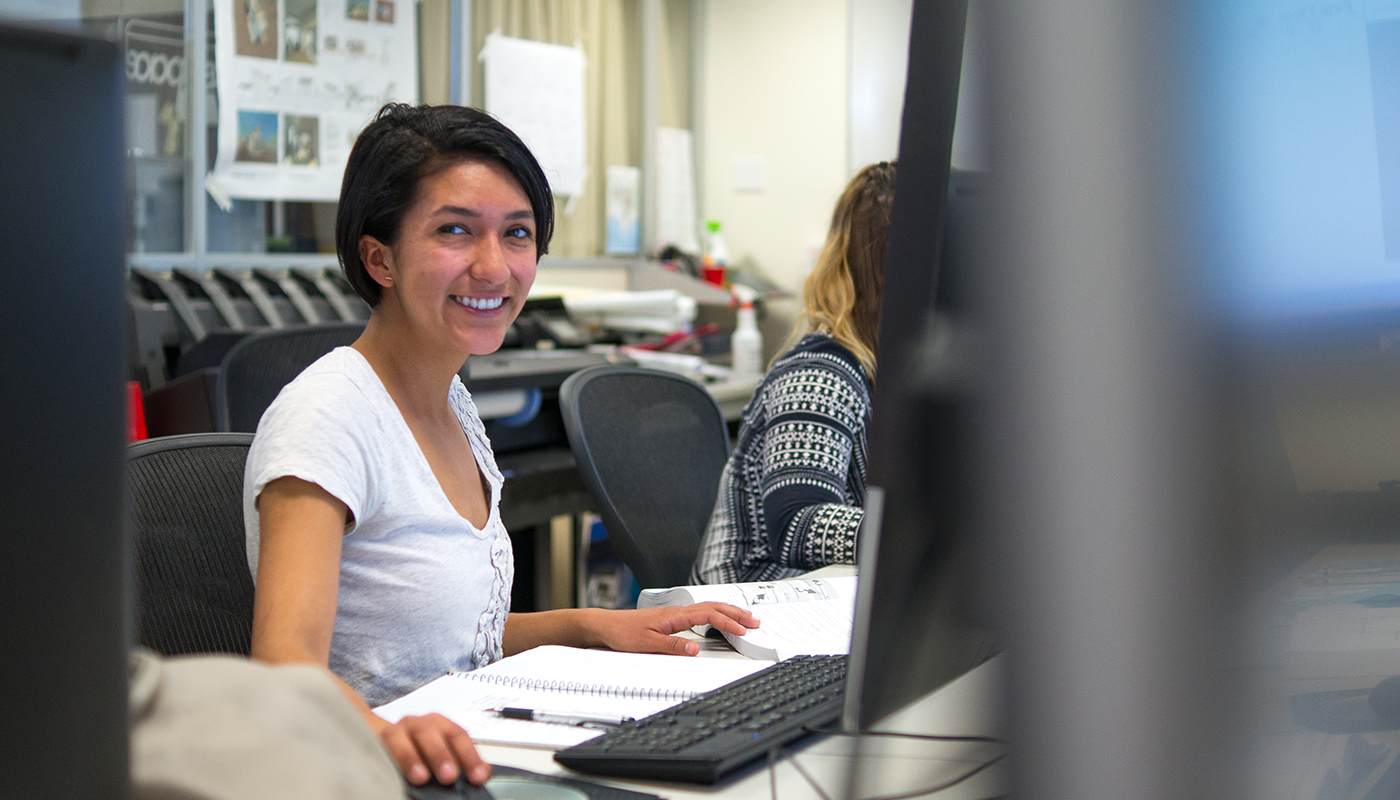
562 717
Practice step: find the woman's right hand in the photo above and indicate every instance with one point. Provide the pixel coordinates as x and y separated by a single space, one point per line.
433 746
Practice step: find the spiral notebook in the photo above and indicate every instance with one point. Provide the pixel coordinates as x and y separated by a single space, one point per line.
565 679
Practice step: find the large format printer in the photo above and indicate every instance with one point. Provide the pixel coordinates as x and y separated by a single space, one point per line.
184 322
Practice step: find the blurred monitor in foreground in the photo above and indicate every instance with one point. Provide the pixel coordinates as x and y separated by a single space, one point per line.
1303 103
1300 203
62 555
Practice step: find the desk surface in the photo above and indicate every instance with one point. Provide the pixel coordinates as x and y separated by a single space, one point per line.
1285 759
967 706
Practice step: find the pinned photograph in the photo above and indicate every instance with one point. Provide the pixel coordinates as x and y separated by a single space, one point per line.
384 11
624 185
257 137
255 28
303 141
357 9
299 31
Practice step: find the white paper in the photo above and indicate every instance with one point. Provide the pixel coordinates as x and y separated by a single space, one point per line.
757 593
298 81
536 90
658 302
1343 640
676 221
623 219
468 703
600 680
658 310
802 616
817 628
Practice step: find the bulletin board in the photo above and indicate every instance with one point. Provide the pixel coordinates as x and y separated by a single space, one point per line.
297 81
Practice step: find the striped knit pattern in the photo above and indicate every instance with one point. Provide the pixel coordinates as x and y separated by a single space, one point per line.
790 498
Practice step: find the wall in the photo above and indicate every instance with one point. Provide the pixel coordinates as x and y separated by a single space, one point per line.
774 88
878 71
970 145
1338 414
879 32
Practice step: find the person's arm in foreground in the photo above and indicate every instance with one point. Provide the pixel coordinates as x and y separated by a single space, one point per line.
294 615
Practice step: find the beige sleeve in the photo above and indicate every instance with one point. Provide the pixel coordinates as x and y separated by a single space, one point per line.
218 727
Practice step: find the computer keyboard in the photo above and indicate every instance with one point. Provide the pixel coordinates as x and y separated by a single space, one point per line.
712 734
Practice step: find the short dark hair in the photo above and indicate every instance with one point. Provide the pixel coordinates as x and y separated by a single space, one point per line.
402 146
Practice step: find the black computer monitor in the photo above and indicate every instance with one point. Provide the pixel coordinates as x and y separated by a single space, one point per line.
63 719
916 624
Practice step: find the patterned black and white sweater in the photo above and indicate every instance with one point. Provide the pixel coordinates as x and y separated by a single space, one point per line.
790 498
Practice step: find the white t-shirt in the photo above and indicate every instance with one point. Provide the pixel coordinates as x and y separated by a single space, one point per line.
422 591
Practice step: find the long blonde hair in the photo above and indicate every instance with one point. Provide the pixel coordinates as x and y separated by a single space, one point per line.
842 295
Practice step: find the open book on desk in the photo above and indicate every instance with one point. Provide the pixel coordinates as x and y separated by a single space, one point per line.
800 616
568 680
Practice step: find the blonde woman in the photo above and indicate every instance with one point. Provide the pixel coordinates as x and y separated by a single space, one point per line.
790 498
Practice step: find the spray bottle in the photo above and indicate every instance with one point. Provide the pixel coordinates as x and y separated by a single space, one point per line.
716 255
746 345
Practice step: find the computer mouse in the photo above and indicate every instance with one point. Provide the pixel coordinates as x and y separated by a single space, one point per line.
461 790
1384 699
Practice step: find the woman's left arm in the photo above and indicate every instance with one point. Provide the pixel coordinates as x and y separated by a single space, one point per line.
815 441
646 630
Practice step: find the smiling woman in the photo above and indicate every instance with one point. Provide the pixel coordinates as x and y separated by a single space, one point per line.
371 494
403 145
463 261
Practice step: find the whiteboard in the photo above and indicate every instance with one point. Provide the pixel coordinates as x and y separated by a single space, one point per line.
536 90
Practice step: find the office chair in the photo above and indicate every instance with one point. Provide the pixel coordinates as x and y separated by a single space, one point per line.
257 368
651 446
194 593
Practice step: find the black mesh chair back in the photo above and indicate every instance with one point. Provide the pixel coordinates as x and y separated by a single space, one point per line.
257 368
651 446
194 593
